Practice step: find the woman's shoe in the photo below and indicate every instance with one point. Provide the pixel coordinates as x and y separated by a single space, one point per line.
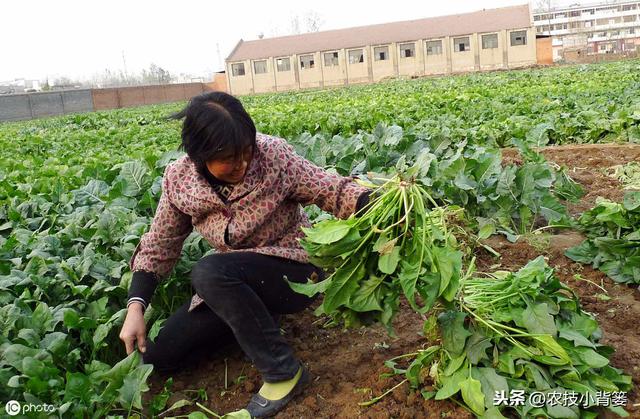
259 407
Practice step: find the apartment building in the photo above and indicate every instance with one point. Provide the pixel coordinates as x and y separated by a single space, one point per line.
598 28
484 40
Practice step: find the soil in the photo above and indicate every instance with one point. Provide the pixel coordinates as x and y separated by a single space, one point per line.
346 365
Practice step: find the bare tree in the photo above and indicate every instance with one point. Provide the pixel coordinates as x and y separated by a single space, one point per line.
156 75
295 25
546 6
310 21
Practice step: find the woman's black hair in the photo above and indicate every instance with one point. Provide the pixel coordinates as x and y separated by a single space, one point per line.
215 124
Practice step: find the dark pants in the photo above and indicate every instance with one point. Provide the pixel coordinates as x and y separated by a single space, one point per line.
241 291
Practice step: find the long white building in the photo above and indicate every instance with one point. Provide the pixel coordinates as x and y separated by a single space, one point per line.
484 40
597 28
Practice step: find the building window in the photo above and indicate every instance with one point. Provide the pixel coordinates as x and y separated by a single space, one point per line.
630 18
434 47
381 53
490 41
518 38
260 67
283 64
331 59
574 13
632 31
461 44
356 56
237 69
588 12
588 23
307 62
408 50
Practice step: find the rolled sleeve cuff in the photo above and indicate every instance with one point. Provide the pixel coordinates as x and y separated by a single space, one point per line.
143 285
348 197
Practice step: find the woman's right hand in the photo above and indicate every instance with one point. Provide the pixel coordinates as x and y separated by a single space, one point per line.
134 331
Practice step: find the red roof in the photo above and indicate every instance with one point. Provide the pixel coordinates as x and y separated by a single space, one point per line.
490 20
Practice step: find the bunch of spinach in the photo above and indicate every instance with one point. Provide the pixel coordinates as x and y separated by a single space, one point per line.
399 244
520 331
613 238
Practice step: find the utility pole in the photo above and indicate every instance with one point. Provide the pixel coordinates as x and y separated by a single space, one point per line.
124 62
220 66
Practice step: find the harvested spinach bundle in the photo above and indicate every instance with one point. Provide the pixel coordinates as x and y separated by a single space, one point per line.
399 244
613 238
521 335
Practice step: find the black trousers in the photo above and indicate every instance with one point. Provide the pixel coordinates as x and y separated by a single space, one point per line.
242 290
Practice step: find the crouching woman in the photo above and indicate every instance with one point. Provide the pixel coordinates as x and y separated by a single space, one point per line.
243 192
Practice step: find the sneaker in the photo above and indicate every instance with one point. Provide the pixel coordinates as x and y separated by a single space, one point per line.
259 407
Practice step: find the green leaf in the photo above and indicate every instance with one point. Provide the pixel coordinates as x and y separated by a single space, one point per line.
550 347
618 411
328 231
133 385
477 346
134 173
310 288
454 364
491 382
240 414
591 357
367 297
464 182
422 361
538 320
472 395
576 337
562 412
388 262
451 385
506 182
492 413
631 201
77 388
454 334
449 265
552 210
343 285
585 252
486 231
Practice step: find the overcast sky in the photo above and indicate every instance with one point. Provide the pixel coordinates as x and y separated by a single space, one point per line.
44 38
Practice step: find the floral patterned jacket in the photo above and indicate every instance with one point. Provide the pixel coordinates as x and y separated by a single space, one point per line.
263 213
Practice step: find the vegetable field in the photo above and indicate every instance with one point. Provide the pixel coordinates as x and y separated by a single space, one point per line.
535 168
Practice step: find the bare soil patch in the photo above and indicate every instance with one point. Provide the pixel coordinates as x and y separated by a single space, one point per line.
346 365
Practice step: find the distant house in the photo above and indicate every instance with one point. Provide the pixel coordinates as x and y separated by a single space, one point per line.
19 86
597 28
484 40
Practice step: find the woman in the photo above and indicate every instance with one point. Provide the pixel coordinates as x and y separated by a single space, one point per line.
243 192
